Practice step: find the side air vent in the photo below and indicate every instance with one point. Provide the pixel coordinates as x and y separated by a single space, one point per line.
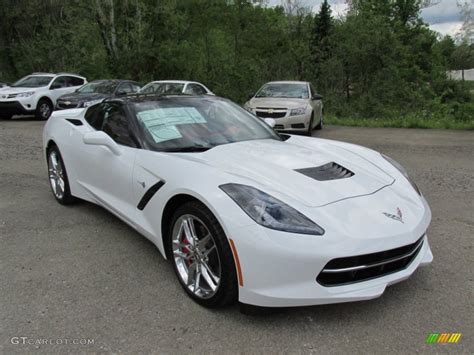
74 122
329 171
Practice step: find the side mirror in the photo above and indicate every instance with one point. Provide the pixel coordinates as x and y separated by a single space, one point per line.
121 93
250 96
317 97
270 121
103 139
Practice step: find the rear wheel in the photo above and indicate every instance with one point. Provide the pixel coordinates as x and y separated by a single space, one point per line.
201 256
58 179
44 109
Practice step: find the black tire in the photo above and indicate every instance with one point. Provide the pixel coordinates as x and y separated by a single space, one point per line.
5 116
310 127
44 109
320 124
66 198
227 289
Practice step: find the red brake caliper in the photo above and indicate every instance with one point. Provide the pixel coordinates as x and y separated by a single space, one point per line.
185 250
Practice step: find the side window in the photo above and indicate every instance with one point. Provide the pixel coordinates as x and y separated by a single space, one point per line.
116 125
59 83
75 81
125 88
194 89
135 87
151 89
95 116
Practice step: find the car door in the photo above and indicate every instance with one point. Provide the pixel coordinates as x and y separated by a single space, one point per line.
316 103
109 176
74 83
60 86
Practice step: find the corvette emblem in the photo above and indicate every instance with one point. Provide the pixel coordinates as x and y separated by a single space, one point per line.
270 110
397 217
4 96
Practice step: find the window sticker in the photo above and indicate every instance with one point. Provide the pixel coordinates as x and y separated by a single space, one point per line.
162 122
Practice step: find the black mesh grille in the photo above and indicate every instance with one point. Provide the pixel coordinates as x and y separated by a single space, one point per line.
264 114
329 171
364 267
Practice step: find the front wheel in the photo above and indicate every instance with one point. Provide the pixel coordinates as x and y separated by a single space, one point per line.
201 256
310 125
43 110
320 124
5 116
58 179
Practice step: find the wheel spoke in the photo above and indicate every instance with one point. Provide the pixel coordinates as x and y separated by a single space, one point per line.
211 279
206 252
191 273
202 242
181 254
197 279
188 233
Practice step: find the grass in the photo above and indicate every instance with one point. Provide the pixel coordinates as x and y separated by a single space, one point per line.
402 122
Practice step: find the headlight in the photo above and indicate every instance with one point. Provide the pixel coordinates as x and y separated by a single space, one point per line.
25 94
402 170
270 212
90 103
248 108
297 111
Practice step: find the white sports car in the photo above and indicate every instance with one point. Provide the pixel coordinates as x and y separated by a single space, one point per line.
242 212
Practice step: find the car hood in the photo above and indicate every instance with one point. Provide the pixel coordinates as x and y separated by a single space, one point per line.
16 90
272 166
78 96
273 102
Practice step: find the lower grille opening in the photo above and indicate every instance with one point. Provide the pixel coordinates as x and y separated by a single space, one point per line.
279 126
358 268
297 125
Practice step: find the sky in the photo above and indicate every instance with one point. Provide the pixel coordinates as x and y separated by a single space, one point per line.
444 17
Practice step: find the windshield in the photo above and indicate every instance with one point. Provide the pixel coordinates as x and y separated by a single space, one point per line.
163 88
193 124
297 91
101 87
35 81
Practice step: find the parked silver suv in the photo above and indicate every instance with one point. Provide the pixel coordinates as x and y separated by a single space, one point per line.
294 105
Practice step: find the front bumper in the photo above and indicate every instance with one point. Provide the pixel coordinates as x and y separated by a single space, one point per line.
297 123
280 269
15 108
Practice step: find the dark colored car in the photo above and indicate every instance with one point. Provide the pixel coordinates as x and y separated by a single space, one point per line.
96 91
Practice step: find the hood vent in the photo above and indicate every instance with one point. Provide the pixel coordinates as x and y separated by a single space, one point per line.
329 171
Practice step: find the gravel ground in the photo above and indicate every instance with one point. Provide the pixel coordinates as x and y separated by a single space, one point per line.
80 273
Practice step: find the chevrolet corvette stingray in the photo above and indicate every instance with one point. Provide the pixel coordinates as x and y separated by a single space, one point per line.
243 213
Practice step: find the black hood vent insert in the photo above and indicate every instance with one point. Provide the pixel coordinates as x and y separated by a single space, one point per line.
329 171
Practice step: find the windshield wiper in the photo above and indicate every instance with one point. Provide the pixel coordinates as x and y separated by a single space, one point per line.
190 149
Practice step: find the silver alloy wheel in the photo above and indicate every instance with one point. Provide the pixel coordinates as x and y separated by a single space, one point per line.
196 257
45 110
56 174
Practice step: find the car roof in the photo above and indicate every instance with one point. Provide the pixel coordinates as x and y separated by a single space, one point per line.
116 81
287 82
55 74
141 97
174 81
